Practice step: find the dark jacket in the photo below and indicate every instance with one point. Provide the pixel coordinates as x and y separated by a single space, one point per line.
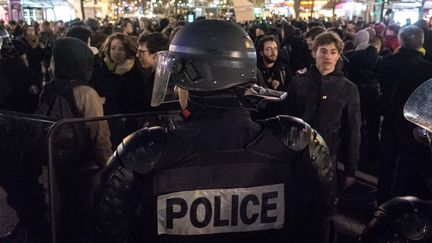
280 71
363 70
400 74
404 161
299 54
218 149
17 79
123 93
331 105
73 69
367 59
35 56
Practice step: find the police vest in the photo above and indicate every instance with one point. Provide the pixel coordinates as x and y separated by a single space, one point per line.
265 191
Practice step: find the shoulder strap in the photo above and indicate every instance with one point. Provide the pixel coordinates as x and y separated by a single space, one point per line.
47 97
66 91
70 99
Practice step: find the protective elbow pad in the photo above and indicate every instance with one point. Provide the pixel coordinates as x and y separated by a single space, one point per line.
141 150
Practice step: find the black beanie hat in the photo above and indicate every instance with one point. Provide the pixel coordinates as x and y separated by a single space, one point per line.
73 60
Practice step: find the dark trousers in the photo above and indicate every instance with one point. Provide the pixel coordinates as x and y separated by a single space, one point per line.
371 137
387 165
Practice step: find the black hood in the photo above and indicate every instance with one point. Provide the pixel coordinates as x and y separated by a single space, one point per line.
73 60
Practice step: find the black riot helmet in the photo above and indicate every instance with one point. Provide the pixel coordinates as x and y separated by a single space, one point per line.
206 56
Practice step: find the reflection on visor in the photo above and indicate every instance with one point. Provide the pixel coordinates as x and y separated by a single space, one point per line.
163 89
418 108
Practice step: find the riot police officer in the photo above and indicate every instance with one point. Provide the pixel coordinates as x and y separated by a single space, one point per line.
221 177
405 219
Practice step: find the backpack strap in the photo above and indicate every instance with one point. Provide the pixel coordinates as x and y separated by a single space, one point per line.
48 97
65 89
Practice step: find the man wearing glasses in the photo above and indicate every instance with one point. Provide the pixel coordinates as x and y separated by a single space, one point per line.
149 44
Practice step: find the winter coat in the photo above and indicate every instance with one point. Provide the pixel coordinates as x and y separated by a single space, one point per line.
367 59
363 69
280 71
123 90
123 93
400 74
331 105
73 67
89 105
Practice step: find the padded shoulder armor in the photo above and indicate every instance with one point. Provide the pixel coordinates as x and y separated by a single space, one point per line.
297 135
326 170
142 149
318 151
292 131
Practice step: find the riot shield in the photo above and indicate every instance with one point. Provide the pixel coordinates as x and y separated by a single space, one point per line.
77 150
23 154
418 108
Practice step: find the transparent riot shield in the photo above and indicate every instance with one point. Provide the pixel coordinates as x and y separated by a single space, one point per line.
77 150
418 108
23 157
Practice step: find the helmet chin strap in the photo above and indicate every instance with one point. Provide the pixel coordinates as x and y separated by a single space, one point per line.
249 97
223 101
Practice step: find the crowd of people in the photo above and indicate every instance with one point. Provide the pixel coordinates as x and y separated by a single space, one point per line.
347 79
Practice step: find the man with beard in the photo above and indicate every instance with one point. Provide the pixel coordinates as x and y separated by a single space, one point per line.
273 73
328 101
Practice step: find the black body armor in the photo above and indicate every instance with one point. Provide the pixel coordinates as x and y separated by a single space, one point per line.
194 184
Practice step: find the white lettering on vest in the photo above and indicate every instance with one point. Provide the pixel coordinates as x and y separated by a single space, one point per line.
221 210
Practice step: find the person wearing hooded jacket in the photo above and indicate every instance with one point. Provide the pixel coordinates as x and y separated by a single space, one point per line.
72 66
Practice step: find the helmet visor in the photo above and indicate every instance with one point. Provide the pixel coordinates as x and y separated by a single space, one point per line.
163 87
418 108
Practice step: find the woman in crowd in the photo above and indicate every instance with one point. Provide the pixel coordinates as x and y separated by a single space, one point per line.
120 82
34 50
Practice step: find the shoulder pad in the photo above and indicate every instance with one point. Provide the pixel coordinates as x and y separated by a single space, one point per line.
326 170
317 146
142 149
292 131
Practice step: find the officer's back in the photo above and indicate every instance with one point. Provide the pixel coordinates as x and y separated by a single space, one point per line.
221 177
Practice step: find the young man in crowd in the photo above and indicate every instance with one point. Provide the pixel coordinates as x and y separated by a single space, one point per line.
148 47
329 102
